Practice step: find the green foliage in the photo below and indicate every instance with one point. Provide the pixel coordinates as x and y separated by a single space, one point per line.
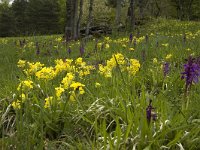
112 115
6 20
43 16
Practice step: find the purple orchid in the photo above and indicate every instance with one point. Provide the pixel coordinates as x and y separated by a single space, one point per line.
191 72
150 114
131 38
165 68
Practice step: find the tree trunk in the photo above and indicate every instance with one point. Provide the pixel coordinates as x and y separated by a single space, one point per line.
75 15
71 19
80 17
89 17
118 13
132 15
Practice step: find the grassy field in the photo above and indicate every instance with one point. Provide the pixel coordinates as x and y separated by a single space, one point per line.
126 91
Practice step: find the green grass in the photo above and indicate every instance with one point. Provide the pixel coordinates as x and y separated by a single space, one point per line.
112 116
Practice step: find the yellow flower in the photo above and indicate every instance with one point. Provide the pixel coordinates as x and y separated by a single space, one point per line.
168 56
99 45
25 85
188 49
79 61
107 46
67 80
155 61
23 97
16 104
59 39
124 45
72 96
46 73
165 45
33 68
134 66
59 91
97 84
21 63
120 59
131 49
78 86
48 102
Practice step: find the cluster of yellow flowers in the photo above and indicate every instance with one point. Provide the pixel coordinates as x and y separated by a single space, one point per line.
81 68
29 68
132 65
71 67
46 73
25 85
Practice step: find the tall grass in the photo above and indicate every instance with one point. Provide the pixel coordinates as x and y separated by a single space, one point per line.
112 115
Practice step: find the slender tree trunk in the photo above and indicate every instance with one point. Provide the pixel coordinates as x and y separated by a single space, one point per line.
158 9
75 13
132 15
71 19
80 17
118 13
89 17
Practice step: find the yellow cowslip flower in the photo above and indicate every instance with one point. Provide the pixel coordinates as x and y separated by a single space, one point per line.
165 45
188 49
134 66
105 70
131 49
99 45
48 102
46 73
107 38
168 56
65 65
59 91
155 61
59 39
110 64
119 57
55 46
67 80
33 68
16 104
25 85
21 63
124 46
72 96
79 62
97 84
23 97
78 86
107 46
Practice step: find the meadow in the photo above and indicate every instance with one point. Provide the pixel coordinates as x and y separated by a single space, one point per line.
134 91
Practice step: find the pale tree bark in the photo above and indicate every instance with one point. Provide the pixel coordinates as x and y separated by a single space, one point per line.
118 13
89 17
